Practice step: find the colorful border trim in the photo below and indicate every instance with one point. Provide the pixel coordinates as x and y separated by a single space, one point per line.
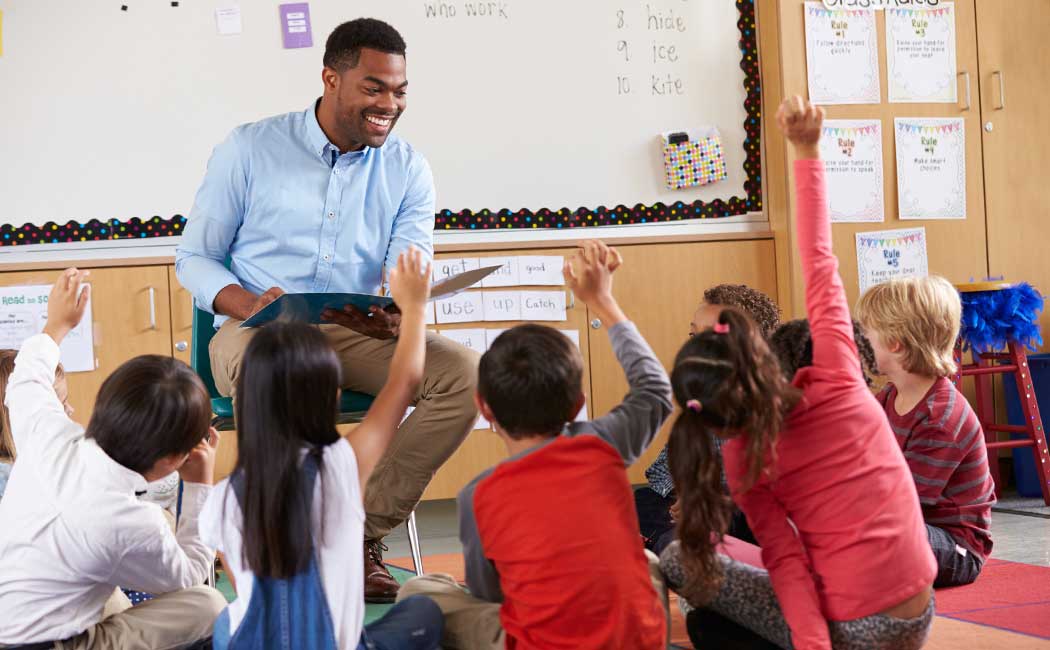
135 228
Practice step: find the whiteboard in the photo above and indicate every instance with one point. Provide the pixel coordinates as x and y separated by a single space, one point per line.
113 114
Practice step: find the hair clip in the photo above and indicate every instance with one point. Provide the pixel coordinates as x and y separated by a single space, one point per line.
721 328
694 405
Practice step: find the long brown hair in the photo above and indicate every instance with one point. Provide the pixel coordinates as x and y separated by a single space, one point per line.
728 383
7 441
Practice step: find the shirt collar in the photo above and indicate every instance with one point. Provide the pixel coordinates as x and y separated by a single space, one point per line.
319 142
121 477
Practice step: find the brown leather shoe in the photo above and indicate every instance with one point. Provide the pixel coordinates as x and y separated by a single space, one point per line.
380 586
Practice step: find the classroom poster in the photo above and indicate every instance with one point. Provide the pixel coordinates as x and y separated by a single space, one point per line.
852 153
888 254
920 54
23 313
842 56
931 168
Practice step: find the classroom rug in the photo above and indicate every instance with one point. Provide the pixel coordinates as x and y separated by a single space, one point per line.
1008 606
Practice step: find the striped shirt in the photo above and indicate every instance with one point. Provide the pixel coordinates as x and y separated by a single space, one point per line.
943 442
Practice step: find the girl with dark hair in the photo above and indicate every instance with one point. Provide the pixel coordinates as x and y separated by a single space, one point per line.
290 519
811 462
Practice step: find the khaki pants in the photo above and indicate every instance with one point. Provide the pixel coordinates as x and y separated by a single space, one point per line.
473 624
173 620
443 416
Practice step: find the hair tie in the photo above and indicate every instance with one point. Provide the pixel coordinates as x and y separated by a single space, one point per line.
721 328
694 405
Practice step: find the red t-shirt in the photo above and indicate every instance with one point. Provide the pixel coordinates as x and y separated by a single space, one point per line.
559 525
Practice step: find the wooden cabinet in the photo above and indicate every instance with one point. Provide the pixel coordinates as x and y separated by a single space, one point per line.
131 316
1014 87
181 318
483 448
957 249
660 287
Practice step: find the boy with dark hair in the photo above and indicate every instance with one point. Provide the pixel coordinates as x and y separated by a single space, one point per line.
550 536
73 526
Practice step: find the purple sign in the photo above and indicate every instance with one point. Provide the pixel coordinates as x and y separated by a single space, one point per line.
295 25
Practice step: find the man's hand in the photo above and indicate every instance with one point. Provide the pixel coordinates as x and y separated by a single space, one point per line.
66 304
378 323
271 294
200 465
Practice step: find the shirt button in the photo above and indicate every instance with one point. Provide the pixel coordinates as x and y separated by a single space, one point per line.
326 258
331 215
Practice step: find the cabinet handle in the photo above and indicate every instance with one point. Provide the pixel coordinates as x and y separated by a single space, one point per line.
966 75
152 308
1002 89
572 299
181 346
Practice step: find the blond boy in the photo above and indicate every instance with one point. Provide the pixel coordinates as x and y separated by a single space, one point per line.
913 324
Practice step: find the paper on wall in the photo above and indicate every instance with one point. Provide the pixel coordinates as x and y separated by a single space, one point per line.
543 305
920 54
23 313
842 56
889 254
852 154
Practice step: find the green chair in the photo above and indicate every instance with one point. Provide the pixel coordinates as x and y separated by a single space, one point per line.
352 408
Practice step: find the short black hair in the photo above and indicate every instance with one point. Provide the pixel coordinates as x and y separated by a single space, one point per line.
793 345
150 407
531 378
343 48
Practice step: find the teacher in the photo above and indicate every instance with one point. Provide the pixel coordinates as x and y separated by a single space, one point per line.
320 201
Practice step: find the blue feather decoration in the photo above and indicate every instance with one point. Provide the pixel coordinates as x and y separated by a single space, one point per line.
990 319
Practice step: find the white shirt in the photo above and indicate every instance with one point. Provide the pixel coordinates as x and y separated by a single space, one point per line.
71 527
339 555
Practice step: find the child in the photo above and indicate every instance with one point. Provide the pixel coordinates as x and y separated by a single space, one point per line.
813 464
290 519
7 443
655 501
913 325
550 537
73 528
792 342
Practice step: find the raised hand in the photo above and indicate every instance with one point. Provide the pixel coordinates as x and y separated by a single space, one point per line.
800 122
588 274
66 303
410 280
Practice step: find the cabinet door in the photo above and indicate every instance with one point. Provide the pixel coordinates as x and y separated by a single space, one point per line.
660 287
483 448
181 318
130 313
1013 53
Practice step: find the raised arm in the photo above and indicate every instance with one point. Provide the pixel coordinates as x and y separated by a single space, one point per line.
826 306
410 288
631 426
37 416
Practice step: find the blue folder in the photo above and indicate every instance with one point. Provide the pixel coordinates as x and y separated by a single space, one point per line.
307 307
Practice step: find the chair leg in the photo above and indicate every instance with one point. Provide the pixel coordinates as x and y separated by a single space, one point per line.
413 544
1033 419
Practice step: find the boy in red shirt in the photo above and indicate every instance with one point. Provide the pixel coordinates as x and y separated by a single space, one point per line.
550 536
913 324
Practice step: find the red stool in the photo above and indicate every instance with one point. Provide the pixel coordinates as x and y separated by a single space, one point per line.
1014 360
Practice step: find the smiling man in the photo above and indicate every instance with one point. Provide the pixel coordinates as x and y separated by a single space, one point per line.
321 201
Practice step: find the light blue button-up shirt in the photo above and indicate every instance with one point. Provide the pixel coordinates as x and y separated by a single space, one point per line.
290 211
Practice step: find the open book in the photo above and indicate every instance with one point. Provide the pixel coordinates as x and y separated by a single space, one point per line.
308 307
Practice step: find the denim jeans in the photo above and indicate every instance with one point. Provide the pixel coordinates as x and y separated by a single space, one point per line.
953 567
